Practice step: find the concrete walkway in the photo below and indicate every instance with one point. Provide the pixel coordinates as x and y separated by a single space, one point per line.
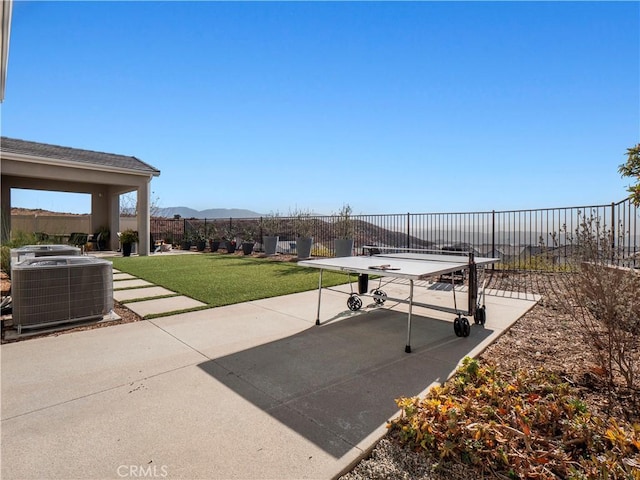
247 391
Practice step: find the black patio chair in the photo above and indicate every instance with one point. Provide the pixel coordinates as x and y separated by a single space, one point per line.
79 240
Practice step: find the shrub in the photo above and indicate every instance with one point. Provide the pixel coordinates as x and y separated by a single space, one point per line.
302 223
271 224
5 259
343 224
525 424
603 299
129 236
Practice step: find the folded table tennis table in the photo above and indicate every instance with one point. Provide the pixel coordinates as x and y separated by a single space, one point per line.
410 264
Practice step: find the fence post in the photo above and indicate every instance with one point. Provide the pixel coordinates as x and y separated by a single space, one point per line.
408 230
261 233
493 236
613 232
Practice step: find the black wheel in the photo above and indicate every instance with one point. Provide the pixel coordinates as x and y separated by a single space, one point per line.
354 302
465 326
380 298
457 327
480 316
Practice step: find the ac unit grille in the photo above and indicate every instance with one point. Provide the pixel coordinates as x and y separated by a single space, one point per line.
50 290
30 251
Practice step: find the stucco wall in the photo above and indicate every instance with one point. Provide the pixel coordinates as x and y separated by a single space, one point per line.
61 224
51 224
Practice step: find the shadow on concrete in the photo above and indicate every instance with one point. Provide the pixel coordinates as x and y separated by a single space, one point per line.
335 384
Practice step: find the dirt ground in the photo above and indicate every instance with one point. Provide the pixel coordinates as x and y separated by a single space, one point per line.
545 337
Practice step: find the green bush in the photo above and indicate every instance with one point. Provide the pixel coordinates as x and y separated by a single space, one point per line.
18 239
5 259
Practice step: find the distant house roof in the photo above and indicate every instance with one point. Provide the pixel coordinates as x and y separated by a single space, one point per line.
67 154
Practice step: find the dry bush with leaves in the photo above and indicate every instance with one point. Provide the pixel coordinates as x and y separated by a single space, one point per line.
522 424
604 299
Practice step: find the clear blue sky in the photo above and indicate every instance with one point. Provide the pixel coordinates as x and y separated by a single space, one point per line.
388 106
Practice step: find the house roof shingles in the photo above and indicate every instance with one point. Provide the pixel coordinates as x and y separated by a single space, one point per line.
100 159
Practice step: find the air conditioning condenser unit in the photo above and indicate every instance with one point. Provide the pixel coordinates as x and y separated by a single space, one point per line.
52 290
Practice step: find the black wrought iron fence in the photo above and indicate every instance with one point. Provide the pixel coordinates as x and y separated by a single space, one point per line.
538 239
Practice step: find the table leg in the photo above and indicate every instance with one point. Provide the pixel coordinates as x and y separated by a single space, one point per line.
319 298
407 349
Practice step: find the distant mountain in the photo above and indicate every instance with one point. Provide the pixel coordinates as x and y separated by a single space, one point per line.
186 212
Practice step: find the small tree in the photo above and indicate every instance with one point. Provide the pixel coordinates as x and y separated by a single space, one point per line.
302 223
632 169
129 205
344 223
271 224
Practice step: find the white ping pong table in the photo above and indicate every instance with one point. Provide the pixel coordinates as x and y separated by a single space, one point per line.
391 264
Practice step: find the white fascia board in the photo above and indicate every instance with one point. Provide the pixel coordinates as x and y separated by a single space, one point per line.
78 165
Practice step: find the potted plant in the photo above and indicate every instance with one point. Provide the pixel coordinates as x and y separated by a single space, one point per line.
230 239
201 239
127 239
270 228
102 238
343 228
304 228
214 238
187 240
249 241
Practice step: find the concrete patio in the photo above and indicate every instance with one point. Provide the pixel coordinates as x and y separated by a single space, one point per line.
249 391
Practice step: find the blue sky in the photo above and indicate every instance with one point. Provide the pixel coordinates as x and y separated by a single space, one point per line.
388 106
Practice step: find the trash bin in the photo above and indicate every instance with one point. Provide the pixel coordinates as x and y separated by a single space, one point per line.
363 283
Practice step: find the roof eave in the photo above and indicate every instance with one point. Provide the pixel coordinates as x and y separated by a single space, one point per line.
85 166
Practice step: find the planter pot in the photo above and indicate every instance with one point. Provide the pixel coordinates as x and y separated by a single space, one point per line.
303 246
214 245
185 245
231 247
247 247
270 244
126 249
201 245
343 247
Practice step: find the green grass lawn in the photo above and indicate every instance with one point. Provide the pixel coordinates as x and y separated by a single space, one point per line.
225 279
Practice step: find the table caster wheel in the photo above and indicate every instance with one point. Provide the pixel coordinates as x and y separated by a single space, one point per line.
480 316
380 298
457 327
466 327
354 302
461 327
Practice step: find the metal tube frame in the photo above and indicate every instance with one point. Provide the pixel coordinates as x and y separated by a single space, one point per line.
472 303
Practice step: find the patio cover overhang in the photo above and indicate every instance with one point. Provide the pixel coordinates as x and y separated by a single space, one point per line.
105 176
